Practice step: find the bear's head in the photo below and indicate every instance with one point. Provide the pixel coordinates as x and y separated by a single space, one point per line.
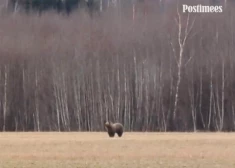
108 124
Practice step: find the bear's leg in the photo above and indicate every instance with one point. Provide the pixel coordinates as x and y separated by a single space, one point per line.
111 134
120 133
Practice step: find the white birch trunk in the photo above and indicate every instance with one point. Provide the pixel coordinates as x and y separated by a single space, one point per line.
37 118
5 97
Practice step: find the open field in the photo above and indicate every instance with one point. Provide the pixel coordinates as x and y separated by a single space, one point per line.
133 150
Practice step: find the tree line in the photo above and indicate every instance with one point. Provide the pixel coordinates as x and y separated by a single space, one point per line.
150 70
60 6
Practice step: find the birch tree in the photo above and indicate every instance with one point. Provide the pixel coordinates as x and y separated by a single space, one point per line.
182 38
5 102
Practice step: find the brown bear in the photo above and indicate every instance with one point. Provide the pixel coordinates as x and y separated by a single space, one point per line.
113 128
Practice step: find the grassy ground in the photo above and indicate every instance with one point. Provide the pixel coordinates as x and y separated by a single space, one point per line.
133 150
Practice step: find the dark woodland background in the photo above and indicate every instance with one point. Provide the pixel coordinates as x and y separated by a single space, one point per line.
71 65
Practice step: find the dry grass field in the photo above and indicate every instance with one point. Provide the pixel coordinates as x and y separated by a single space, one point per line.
133 150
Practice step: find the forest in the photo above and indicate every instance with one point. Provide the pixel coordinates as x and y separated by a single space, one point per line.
142 63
